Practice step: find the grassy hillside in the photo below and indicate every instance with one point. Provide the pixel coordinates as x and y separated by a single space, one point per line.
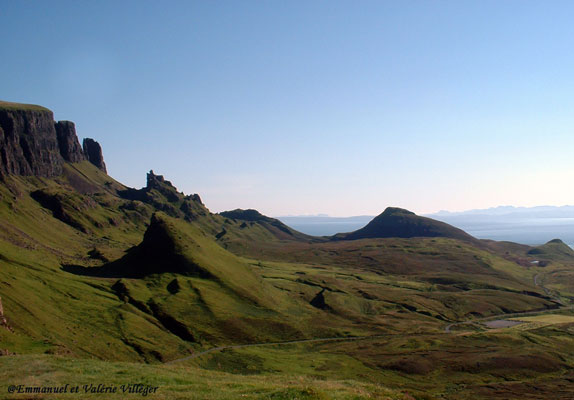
397 222
253 218
555 249
176 381
93 273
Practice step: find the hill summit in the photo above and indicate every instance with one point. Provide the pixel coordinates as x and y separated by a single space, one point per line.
164 248
555 249
278 228
401 223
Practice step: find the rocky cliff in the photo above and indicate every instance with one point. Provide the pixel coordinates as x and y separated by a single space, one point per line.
28 141
70 148
93 152
33 144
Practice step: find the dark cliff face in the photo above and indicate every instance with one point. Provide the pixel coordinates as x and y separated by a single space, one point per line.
28 142
68 142
93 152
32 144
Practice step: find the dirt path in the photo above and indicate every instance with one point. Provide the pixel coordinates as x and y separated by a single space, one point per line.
548 293
447 329
241 346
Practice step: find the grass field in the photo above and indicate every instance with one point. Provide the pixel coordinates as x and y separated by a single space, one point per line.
171 382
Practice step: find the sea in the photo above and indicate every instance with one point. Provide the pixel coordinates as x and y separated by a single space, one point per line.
530 231
326 226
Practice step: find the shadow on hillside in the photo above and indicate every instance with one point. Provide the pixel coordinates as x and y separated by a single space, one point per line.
97 272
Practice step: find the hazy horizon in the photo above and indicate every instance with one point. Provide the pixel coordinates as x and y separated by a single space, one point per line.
311 107
531 226
505 206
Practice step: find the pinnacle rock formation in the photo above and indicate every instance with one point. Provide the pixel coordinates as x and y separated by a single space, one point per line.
70 148
93 152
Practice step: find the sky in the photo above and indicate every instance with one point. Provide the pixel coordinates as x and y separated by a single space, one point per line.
306 107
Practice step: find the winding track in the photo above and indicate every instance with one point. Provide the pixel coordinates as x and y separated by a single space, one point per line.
547 291
241 346
447 329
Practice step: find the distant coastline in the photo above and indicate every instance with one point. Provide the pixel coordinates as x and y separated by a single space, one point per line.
526 225
323 225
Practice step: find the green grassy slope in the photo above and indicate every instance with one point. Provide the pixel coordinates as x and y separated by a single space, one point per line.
92 269
555 249
397 222
248 219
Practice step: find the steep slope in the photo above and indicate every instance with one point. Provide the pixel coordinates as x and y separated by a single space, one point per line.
172 245
400 223
222 292
178 289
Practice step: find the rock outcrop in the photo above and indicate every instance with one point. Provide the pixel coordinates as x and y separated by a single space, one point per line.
28 141
163 196
165 187
32 144
70 148
93 152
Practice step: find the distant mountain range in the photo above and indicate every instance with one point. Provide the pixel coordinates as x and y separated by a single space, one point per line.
566 211
325 218
510 211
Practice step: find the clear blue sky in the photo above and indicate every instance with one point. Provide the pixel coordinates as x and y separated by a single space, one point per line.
296 107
